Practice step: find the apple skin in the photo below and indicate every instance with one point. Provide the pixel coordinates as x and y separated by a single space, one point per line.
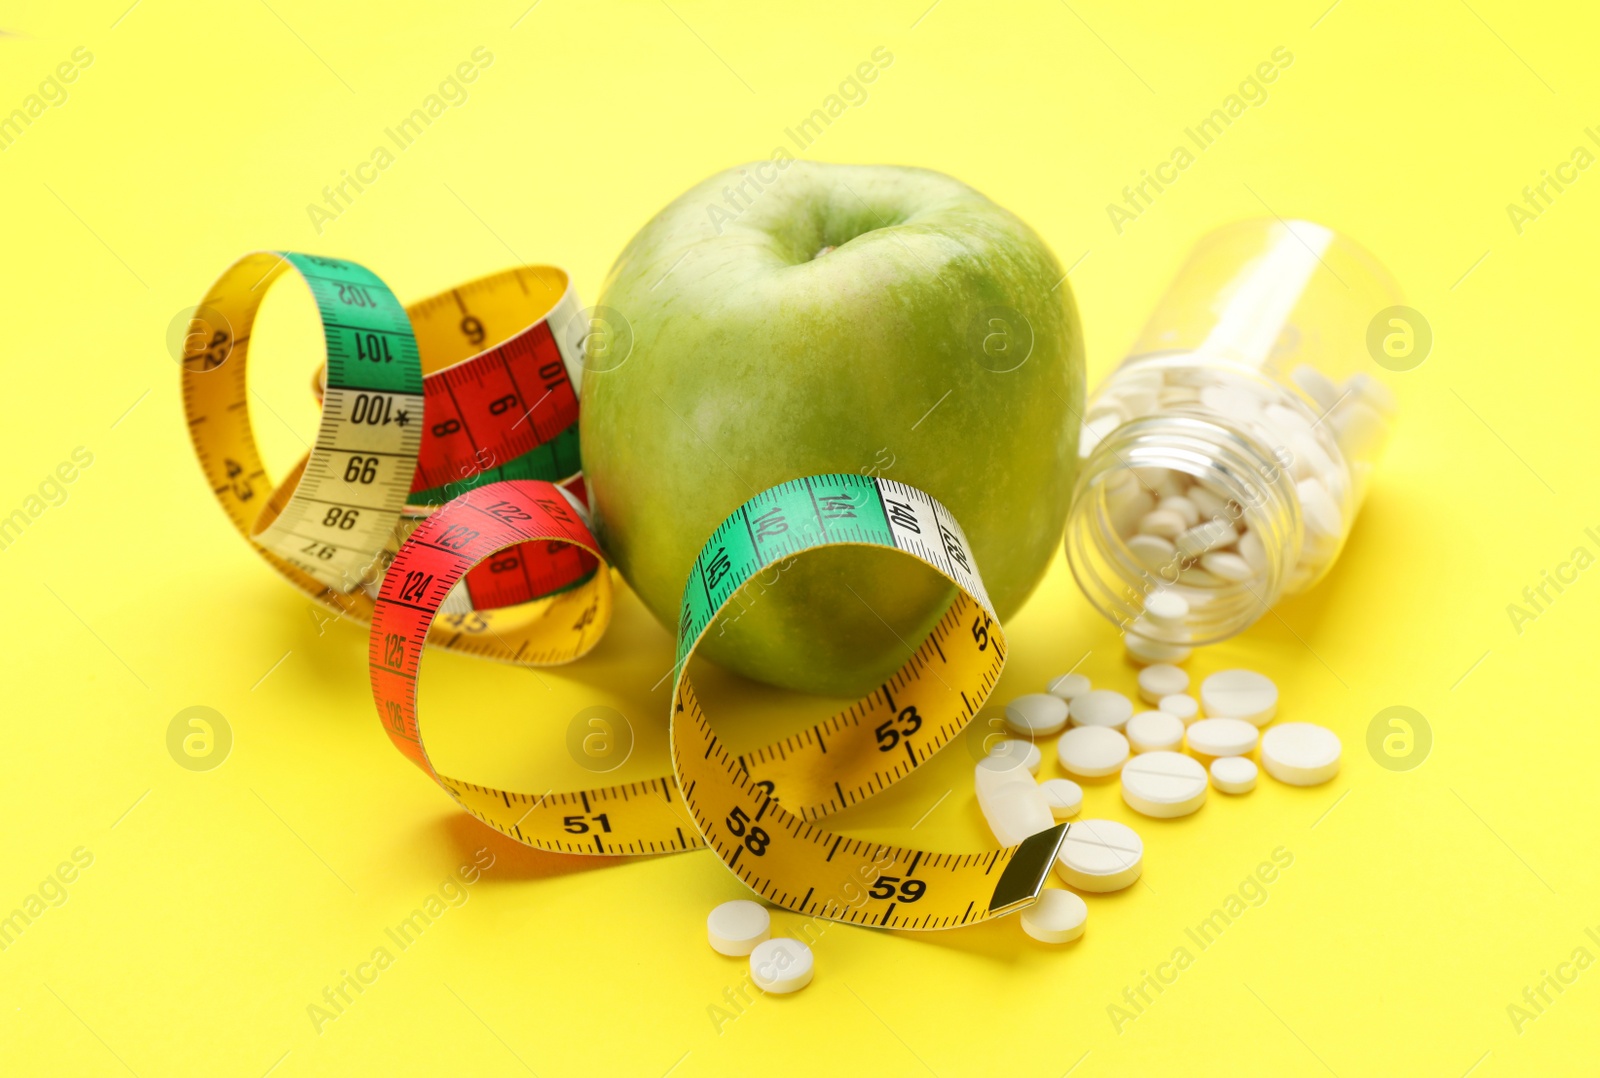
834 319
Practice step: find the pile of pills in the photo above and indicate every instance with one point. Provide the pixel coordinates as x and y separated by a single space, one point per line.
1188 531
1167 757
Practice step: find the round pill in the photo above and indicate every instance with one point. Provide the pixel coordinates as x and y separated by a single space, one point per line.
1161 679
1144 651
1101 707
1181 705
781 965
1038 714
1091 751
1017 749
1064 797
1164 784
1154 731
1069 686
1222 737
1166 609
1300 753
1058 917
734 928
1099 856
1233 774
1240 694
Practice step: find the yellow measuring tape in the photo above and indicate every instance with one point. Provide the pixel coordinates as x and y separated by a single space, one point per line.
759 812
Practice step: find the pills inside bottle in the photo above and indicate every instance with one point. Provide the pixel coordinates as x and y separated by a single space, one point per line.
1223 462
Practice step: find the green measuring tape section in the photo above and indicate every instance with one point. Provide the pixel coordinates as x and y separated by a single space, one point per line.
368 334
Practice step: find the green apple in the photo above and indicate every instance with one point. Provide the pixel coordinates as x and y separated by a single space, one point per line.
789 319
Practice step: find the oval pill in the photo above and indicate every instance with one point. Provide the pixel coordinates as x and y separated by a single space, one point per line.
1100 856
1240 694
1058 917
1164 784
1037 714
735 928
1300 753
1154 731
1233 774
1091 751
1161 679
781 965
1222 737
1101 707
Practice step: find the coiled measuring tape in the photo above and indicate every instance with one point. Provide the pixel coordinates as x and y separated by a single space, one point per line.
414 410
758 811
417 411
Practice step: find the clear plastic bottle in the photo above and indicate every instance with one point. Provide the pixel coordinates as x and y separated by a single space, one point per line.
1225 459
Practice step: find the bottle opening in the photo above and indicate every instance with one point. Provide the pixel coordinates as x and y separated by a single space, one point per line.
1231 533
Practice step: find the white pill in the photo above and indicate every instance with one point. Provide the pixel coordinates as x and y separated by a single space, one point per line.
1144 651
1163 522
1300 753
1069 686
1014 810
1180 705
1159 481
1251 550
1091 751
1222 737
1166 609
1185 508
1100 856
1164 784
1154 731
1229 567
1214 534
1101 707
1016 749
1319 510
1316 385
1127 505
781 965
1064 797
1240 694
1058 917
1038 714
734 928
1152 551
1233 774
1210 505
1233 402
1161 679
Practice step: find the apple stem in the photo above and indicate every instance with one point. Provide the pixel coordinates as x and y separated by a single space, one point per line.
822 252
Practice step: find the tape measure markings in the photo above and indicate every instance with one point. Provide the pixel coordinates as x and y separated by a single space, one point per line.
935 890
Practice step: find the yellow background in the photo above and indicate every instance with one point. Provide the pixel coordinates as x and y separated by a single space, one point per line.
1419 904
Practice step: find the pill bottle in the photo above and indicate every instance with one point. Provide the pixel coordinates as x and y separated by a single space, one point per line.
1224 460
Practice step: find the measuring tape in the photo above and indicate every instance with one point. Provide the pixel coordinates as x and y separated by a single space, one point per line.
414 410
757 811
428 506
